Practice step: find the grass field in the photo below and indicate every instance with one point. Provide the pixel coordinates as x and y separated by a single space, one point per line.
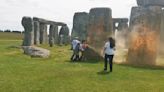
10 36
21 73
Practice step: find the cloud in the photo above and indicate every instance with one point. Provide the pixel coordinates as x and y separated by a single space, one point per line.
11 11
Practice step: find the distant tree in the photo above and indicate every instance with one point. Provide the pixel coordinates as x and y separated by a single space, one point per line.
23 31
7 30
1 30
15 31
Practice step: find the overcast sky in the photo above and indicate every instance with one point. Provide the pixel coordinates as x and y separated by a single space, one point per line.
11 11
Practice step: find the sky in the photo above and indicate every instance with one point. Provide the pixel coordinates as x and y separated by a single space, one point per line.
12 11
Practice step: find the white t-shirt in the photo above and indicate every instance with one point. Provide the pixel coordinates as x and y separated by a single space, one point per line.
108 50
74 43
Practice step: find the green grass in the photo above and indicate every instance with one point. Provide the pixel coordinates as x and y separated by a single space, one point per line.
10 36
21 73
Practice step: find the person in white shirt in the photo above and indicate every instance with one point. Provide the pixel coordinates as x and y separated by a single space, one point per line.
83 47
76 48
109 50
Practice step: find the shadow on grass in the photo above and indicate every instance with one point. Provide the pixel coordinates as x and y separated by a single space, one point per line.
87 61
14 47
103 72
144 67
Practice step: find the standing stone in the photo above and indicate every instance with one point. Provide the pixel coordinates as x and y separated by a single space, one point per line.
161 50
43 33
64 35
145 31
99 29
150 3
121 32
28 25
36 32
51 33
80 25
56 35
123 25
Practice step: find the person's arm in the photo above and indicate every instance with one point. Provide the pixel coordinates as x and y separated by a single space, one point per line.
72 45
104 48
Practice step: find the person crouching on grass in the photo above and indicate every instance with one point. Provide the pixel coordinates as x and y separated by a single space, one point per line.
109 50
83 48
76 49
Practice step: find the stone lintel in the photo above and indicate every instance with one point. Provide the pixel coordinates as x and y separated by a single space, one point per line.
44 21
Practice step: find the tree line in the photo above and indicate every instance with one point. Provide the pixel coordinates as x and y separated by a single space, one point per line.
14 31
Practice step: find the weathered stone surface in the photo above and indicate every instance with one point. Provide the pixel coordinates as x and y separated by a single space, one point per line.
91 54
100 28
53 35
28 25
64 35
36 51
36 33
43 34
80 25
161 50
120 20
150 3
44 21
145 31
56 35
120 28
122 24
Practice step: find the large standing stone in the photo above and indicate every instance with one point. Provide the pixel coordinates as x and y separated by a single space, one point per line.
64 35
56 35
53 35
145 30
123 25
80 25
43 33
150 2
121 32
99 29
36 32
28 25
162 35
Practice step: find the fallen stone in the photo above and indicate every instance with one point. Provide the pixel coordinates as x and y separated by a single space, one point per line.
36 51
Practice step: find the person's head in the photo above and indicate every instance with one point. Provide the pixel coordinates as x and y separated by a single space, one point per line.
76 38
110 39
83 41
112 42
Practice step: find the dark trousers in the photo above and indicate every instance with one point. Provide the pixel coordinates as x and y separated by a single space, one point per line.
82 57
108 59
75 56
